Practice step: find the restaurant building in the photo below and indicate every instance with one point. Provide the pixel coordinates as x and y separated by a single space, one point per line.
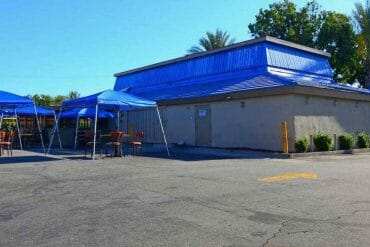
238 96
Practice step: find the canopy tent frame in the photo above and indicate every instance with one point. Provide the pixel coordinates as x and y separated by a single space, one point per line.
35 114
76 131
106 102
18 129
58 131
9 100
1 120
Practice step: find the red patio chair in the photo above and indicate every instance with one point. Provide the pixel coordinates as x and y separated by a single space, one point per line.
7 143
115 143
137 143
89 143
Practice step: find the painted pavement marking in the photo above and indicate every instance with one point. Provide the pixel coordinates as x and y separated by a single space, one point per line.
289 176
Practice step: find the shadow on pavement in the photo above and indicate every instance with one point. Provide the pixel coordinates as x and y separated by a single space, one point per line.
25 159
200 154
177 153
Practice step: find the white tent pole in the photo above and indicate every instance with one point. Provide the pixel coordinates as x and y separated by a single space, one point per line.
95 128
54 129
58 132
1 120
18 129
39 128
164 136
77 120
118 120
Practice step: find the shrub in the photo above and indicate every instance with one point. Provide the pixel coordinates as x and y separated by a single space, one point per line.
301 145
346 141
363 140
322 141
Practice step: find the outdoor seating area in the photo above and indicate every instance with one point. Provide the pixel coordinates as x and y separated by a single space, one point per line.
23 125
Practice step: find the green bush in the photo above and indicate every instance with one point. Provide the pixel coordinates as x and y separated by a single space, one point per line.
301 145
363 140
7 125
346 141
322 141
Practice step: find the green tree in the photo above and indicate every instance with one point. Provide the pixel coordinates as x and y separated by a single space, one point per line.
212 41
361 15
58 100
73 95
312 27
284 21
47 100
338 37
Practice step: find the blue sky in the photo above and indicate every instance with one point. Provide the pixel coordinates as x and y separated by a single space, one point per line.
54 46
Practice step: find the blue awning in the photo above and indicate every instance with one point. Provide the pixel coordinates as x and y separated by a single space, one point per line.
10 100
110 99
28 111
85 113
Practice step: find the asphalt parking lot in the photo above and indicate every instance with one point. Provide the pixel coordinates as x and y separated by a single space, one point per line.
143 201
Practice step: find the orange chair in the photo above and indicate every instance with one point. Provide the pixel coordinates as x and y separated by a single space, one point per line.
89 142
115 143
2 135
7 143
2 139
137 143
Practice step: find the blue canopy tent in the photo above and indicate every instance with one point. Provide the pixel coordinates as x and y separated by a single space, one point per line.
112 100
85 113
9 101
79 113
29 111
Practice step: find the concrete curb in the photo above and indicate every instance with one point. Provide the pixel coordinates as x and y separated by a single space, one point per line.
336 152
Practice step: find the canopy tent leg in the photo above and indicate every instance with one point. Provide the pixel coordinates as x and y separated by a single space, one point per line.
164 135
118 120
54 129
76 131
95 128
39 128
58 132
18 129
1 120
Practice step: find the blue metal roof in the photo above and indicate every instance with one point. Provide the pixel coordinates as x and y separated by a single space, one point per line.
266 63
262 81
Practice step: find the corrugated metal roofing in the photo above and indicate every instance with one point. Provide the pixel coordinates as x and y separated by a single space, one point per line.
262 81
247 59
255 65
295 60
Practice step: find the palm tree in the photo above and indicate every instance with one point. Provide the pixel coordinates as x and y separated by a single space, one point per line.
361 15
212 41
73 95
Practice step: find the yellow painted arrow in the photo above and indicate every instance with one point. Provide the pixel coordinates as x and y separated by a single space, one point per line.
289 176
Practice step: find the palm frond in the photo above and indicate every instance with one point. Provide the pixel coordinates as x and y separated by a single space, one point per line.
212 41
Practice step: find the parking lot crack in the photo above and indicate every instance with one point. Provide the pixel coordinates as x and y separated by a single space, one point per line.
283 224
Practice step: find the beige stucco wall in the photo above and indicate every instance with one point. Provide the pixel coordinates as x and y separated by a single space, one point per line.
335 116
180 124
257 125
